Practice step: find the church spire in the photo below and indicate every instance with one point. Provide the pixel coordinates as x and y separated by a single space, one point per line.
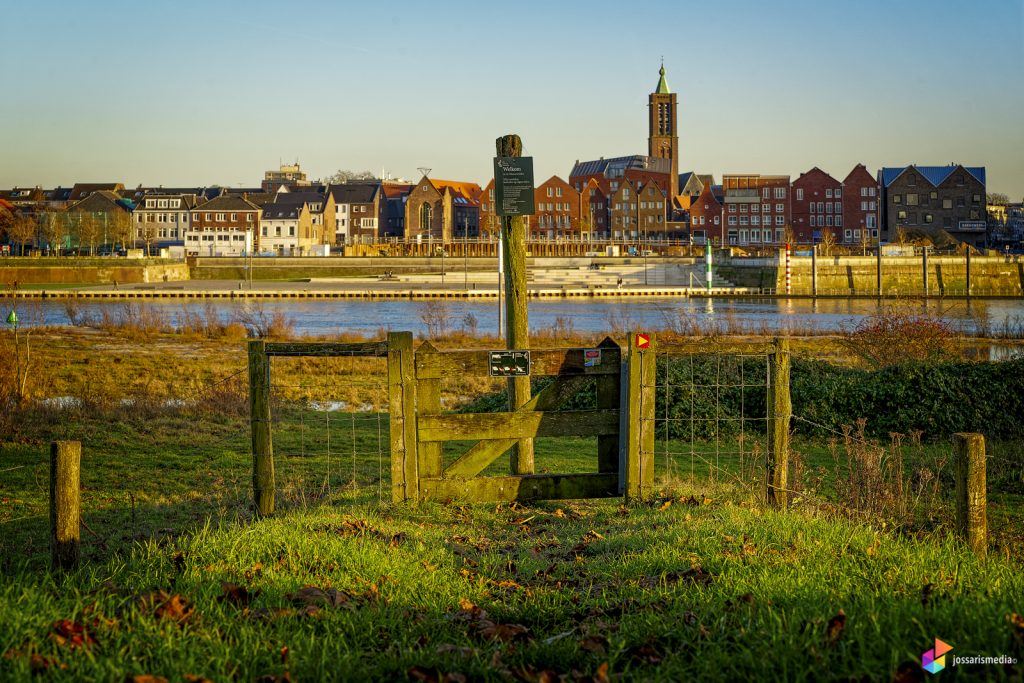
662 88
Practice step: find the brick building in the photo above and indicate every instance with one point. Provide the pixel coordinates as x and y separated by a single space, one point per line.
817 203
766 218
442 210
223 226
928 198
860 207
706 214
663 136
557 211
359 209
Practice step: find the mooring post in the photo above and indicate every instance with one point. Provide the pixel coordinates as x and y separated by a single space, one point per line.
780 408
971 497
259 418
924 270
968 267
814 270
65 503
402 421
517 334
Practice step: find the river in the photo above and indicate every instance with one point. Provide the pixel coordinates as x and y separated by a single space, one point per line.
999 317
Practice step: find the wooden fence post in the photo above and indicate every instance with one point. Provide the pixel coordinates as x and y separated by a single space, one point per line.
259 418
428 402
65 503
971 498
780 408
402 422
636 461
609 394
517 328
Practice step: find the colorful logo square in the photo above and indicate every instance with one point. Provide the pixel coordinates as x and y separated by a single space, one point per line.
933 661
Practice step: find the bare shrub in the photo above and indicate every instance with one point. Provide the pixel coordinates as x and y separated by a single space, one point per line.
891 337
263 325
435 316
470 324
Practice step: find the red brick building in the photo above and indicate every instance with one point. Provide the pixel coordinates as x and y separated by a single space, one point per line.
442 210
817 206
706 217
557 215
764 202
861 208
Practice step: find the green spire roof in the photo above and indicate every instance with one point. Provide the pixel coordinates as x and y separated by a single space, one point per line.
662 88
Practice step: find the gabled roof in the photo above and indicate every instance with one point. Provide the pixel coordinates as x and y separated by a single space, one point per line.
282 211
936 175
355 193
230 202
462 192
299 198
82 190
102 201
815 171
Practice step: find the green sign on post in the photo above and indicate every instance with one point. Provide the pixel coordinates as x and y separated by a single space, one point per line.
513 186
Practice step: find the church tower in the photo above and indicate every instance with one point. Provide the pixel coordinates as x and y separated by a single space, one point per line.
663 140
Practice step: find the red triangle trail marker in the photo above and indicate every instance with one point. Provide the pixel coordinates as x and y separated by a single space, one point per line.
643 341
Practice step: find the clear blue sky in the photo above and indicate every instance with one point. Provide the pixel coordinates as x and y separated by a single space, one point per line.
189 92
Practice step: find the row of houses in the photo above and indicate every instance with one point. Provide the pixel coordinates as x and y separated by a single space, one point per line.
636 198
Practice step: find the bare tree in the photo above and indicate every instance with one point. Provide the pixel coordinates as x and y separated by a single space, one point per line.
828 241
89 228
120 226
997 198
346 176
54 230
22 230
901 236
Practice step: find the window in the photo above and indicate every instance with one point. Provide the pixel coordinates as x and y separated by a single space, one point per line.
901 215
871 221
911 199
872 206
743 208
814 221
755 220
732 220
839 221
767 193
828 193
716 220
780 193
550 192
800 194
743 236
871 192
732 208
264 231
897 199
206 216
779 220
947 203
928 218
779 208
838 193
558 192
754 208
828 221
863 192
856 234
702 220
291 231
744 220
912 180
162 204
828 207
863 206
234 217
976 199
766 208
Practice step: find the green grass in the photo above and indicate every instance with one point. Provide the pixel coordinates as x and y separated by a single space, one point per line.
703 584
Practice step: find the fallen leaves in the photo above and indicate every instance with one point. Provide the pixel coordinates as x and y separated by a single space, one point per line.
359 528
835 627
165 607
66 632
481 624
233 594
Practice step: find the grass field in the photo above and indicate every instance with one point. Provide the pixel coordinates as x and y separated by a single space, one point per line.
180 581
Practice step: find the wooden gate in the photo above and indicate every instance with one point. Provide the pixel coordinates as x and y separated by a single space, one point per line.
622 422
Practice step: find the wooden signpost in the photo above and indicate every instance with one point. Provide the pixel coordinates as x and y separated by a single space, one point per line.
513 182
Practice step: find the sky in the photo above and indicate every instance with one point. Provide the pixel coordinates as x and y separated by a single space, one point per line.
192 93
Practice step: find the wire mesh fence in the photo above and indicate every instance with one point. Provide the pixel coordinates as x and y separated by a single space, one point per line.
711 418
330 426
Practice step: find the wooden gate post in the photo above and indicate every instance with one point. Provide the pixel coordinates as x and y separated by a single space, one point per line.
780 408
65 503
971 498
609 394
636 462
517 329
259 418
402 422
